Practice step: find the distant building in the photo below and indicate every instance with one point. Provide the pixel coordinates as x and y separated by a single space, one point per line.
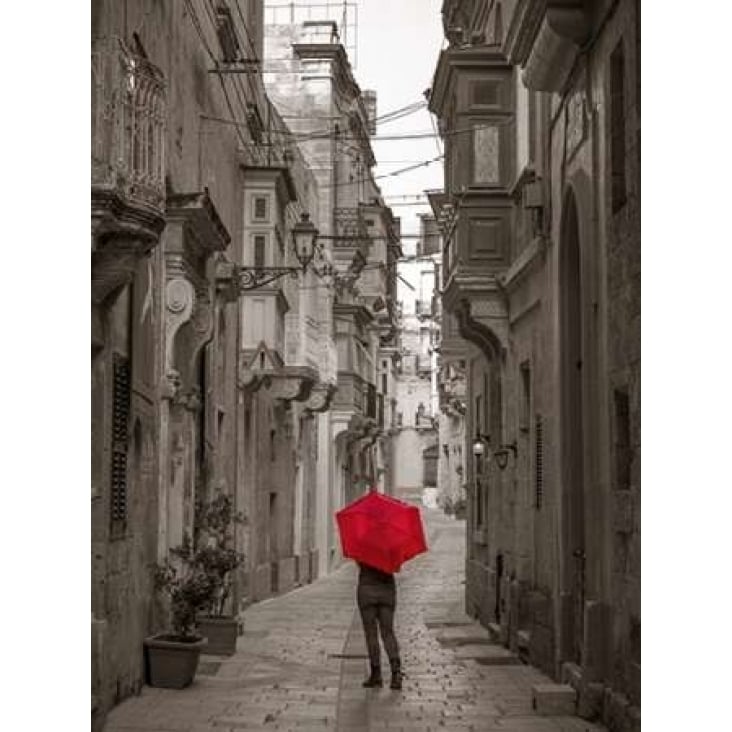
311 82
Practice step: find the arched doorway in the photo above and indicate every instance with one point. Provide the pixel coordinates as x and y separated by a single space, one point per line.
573 435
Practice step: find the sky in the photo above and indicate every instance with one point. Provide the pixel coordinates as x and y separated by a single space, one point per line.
398 45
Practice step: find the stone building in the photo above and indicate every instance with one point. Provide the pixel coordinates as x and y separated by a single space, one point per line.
311 83
538 104
200 382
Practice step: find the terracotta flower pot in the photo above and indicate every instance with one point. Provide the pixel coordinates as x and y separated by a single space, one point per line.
172 663
221 632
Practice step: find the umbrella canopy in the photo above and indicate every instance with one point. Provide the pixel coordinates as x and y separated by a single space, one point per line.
381 531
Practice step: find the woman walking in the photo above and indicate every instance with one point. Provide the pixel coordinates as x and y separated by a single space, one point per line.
376 599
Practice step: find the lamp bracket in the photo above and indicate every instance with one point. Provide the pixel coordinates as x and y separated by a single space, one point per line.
251 278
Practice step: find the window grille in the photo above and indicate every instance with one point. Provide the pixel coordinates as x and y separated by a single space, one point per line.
539 461
120 434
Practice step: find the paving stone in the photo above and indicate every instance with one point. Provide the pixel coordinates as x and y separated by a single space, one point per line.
286 671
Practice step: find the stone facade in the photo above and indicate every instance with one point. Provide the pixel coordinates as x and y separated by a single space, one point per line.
539 107
205 377
311 82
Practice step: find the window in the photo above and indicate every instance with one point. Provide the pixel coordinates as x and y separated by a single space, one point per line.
617 127
121 398
260 208
525 405
259 246
485 154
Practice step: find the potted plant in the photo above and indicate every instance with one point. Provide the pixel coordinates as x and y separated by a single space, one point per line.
172 658
217 556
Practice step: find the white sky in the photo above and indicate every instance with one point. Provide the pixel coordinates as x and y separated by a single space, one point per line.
398 45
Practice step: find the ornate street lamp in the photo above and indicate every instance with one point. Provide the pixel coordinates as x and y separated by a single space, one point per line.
481 447
304 244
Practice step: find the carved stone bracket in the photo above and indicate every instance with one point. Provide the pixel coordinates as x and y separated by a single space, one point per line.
227 283
194 232
291 383
561 33
475 329
479 305
321 397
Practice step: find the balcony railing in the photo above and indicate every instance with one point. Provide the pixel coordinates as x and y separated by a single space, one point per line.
128 122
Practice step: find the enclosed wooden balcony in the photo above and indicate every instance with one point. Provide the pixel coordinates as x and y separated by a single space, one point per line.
127 162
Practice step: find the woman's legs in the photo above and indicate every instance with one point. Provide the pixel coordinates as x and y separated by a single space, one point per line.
386 626
369 615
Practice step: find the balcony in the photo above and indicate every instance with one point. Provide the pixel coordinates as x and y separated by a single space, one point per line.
128 123
356 395
128 163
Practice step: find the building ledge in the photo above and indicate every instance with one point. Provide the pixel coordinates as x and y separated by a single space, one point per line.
198 213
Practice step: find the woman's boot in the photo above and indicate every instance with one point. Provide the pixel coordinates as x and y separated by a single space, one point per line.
375 678
396 675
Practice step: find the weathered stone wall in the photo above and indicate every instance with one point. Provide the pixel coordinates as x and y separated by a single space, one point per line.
200 153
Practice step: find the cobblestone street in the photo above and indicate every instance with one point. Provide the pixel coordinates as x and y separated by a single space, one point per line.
301 661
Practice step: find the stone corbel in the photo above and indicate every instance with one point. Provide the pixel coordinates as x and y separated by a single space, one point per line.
189 399
484 323
248 379
179 298
290 383
562 31
227 285
191 339
321 397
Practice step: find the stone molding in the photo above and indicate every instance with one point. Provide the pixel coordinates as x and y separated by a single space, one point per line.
123 231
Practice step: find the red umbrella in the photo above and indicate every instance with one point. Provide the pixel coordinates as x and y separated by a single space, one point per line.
381 531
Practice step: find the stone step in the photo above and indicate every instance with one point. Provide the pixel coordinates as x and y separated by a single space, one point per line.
488 655
554 699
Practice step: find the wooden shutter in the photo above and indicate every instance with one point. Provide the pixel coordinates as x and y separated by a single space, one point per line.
120 438
539 461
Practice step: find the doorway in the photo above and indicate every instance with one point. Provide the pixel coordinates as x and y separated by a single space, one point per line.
572 433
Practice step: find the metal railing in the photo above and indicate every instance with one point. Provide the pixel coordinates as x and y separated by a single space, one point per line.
128 122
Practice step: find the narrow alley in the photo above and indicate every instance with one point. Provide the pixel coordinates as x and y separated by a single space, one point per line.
301 660
316 278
